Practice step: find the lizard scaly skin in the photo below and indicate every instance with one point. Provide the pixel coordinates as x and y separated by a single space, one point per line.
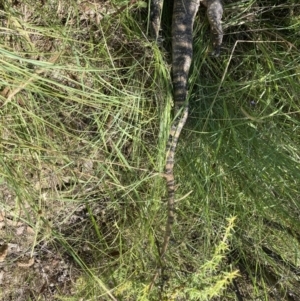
184 13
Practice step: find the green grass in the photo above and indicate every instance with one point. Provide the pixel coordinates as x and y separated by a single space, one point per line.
85 114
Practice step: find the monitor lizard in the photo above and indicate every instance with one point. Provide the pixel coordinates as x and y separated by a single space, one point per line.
183 17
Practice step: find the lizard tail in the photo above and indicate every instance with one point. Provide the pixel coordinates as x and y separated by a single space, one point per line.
169 175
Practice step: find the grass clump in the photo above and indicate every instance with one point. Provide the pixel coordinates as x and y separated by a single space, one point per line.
85 112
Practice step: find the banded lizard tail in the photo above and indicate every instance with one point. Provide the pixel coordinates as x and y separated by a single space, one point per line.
184 13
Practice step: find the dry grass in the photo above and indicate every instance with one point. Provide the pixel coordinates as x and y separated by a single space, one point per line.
85 108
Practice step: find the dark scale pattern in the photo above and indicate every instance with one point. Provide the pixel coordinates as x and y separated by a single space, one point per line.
182 52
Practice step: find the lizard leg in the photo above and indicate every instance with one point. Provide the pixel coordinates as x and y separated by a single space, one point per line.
214 14
155 15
